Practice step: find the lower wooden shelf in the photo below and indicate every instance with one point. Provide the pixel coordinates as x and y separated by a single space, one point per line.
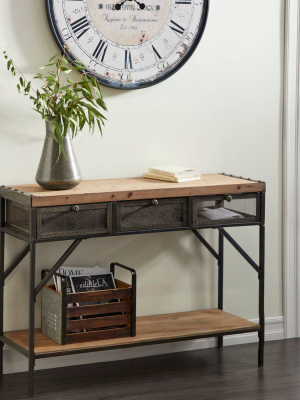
150 330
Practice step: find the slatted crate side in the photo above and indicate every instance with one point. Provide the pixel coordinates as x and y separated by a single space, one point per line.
123 285
95 315
98 322
122 309
115 326
98 335
98 309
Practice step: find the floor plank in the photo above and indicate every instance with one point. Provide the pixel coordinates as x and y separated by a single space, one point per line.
230 373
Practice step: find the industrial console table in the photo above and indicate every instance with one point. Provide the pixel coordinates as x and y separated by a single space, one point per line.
125 207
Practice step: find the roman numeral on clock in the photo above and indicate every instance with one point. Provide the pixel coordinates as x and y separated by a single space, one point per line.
128 61
156 54
176 28
66 34
80 26
183 2
101 48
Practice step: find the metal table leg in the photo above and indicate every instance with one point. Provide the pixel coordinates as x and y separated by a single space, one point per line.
31 361
2 220
261 276
220 280
260 269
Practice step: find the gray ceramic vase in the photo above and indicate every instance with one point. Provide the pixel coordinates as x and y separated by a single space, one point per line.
62 175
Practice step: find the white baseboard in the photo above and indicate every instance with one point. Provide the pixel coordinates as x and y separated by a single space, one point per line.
14 362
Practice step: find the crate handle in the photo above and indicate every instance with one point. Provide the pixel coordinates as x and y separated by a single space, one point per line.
44 272
133 296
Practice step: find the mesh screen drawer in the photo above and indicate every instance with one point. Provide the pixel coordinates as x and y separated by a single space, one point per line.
151 214
226 209
74 220
17 216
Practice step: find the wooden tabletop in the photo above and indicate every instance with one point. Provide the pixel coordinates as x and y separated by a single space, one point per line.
138 188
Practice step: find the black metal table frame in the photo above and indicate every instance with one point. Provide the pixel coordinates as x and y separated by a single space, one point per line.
34 291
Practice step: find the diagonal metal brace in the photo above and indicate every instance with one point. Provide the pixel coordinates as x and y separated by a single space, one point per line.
16 262
240 250
207 245
59 263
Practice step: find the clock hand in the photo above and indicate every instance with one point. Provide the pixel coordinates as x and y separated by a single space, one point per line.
142 5
118 5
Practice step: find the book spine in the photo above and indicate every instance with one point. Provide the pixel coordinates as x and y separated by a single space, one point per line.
160 177
183 174
160 172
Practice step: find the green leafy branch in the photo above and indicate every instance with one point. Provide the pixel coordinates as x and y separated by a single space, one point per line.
65 103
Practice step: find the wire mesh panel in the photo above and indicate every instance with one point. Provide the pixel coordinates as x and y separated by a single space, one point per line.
226 209
17 216
151 214
74 220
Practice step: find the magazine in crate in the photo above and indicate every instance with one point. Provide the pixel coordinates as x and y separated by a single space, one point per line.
76 271
87 275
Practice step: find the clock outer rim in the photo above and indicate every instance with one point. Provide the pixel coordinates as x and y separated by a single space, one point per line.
59 41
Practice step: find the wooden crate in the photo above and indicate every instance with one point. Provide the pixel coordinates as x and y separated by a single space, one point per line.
59 320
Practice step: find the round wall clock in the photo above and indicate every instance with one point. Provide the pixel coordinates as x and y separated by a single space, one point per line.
128 44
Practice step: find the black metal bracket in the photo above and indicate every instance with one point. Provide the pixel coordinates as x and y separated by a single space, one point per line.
234 244
59 263
14 345
207 245
16 262
240 250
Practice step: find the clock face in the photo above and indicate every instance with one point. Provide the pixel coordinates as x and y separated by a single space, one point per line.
128 44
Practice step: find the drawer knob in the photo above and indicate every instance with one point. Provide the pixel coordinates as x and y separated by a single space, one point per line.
154 202
75 208
228 198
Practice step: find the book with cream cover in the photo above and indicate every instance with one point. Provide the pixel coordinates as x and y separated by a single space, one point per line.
167 178
174 171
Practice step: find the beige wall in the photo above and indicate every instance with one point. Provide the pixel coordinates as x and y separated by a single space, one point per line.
221 112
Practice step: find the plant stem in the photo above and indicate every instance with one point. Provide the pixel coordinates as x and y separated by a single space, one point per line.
15 65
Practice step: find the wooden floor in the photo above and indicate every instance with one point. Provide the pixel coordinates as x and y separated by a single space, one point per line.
212 374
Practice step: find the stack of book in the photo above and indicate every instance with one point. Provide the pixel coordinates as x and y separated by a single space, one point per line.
173 173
